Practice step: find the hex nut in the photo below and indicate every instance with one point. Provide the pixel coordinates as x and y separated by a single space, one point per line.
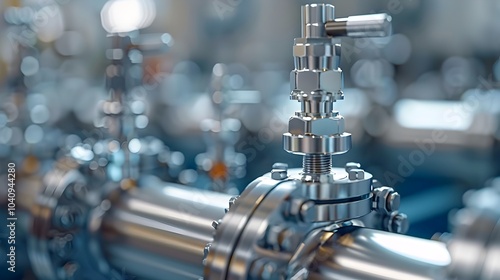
232 200
280 165
398 223
279 174
356 174
303 50
380 197
352 165
319 127
308 81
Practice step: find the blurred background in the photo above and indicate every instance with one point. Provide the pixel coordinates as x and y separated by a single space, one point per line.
423 105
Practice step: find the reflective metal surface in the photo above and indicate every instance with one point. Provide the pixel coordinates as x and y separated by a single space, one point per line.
361 253
161 230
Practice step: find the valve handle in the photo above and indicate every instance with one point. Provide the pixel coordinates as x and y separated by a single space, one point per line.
373 25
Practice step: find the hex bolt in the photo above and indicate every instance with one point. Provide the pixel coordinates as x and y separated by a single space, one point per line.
381 198
279 171
393 201
288 240
232 200
263 269
398 223
280 165
356 174
352 165
206 251
279 174
215 224
306 211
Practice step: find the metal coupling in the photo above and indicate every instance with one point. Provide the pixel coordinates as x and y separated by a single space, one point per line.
316 131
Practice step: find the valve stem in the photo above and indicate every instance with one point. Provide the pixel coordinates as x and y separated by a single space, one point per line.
317 164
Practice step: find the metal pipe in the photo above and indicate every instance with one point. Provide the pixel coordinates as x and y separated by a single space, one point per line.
161 232
375 25
362 253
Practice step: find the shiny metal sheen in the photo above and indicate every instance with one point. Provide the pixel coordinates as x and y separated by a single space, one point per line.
161 230
359 253
375 25
305 144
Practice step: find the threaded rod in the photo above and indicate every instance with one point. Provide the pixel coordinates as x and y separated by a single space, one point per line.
317 164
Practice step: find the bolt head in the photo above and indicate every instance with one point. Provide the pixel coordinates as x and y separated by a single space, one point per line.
280 165
278 174
307 213
356 174
393 201
309 126
380 199
215 224
399 223
352 165
232 200
206 250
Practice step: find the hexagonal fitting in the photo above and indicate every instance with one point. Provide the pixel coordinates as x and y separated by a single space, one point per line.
309 126
385 200
398 223
308 81
356 174
279 171
352 165
393 201
312 49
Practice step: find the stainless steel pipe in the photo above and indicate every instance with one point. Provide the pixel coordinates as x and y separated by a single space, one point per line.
160 232
362 253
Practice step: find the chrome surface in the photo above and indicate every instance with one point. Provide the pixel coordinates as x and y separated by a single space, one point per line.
161 229
376 25
362 253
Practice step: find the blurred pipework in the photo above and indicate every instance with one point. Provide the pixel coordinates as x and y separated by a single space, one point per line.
139 132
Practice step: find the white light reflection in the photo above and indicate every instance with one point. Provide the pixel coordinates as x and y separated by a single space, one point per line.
134 146
426 114
415 249
127 15
81 153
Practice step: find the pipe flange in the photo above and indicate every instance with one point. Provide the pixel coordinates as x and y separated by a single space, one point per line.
58 242
305 144
340 184
335 211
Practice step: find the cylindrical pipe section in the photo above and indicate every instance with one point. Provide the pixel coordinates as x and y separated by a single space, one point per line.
376 25
314 17
362 253
161 232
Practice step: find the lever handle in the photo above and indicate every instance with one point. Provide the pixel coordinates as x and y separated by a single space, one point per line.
374 25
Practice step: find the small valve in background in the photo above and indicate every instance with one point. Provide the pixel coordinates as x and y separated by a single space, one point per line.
221 165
